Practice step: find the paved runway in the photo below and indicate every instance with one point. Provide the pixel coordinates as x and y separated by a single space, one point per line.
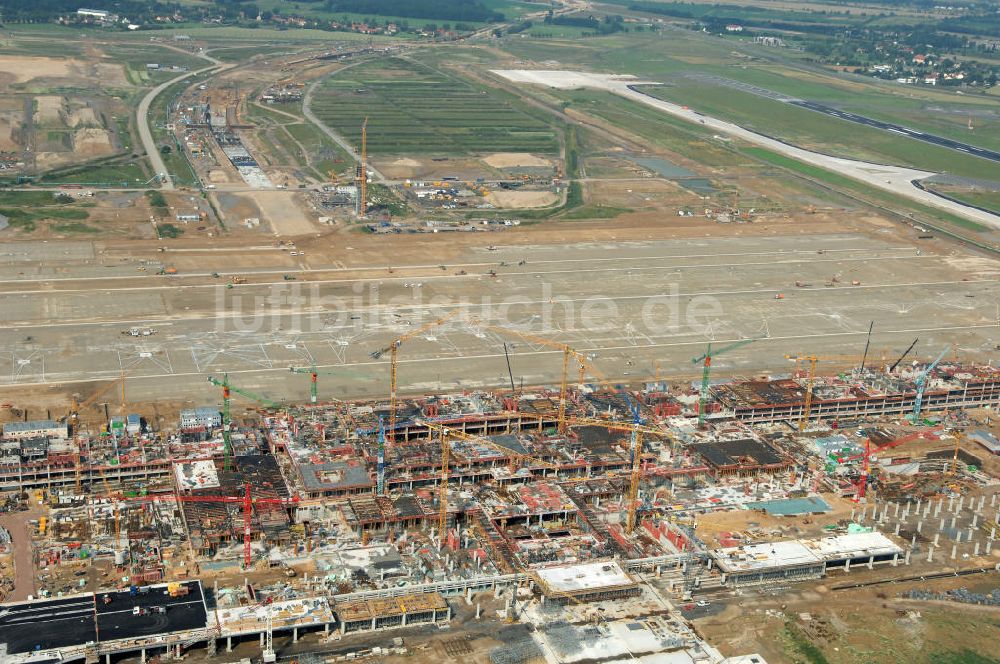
627 306
992 155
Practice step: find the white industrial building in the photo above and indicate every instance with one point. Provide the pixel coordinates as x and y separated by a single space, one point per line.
772 562
205 416
35 429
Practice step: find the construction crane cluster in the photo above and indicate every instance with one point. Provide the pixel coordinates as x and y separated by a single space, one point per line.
246 501
636 429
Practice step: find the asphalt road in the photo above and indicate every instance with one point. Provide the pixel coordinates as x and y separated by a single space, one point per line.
334 136
992 155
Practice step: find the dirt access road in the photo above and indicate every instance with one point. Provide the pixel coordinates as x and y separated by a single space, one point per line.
24 574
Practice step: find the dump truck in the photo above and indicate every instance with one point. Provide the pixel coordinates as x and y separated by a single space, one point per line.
177 589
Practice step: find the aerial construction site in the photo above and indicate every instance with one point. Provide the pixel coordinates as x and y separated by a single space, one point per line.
585 510
499 333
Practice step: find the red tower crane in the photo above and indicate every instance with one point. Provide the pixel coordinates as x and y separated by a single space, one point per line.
870 452
247 501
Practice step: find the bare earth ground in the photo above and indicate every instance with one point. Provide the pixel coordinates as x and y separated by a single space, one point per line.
283 210
19 69
91 142
25 68
514 159
522 199
862 625
10 122
49 110
464 168
710 526
82 294
24 577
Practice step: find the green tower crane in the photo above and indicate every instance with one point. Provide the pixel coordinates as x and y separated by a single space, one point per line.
707 363
227 389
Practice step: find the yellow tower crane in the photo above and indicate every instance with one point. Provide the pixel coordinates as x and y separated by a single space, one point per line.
811 379
363 171
73 418
567 351
443 489
393 350
445 434
635 450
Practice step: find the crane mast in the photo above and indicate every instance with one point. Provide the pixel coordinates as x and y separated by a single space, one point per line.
706 361
362 173
922 384
443 493
380 478
635 449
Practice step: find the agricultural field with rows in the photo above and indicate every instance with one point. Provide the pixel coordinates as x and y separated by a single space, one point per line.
412 109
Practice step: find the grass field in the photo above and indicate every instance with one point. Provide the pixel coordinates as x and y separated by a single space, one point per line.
989 200
25 209
680 137
135 57
118 173
323 154
675 55
175 161
412 109
876 196
816 131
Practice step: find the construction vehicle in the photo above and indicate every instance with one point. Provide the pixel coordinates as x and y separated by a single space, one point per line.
177 589
140 331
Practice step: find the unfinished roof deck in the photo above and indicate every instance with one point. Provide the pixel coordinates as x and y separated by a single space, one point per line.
335 476
794 553
588 580
736 454
368 609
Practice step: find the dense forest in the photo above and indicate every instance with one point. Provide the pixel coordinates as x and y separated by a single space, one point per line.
22 11
441 10
18 11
